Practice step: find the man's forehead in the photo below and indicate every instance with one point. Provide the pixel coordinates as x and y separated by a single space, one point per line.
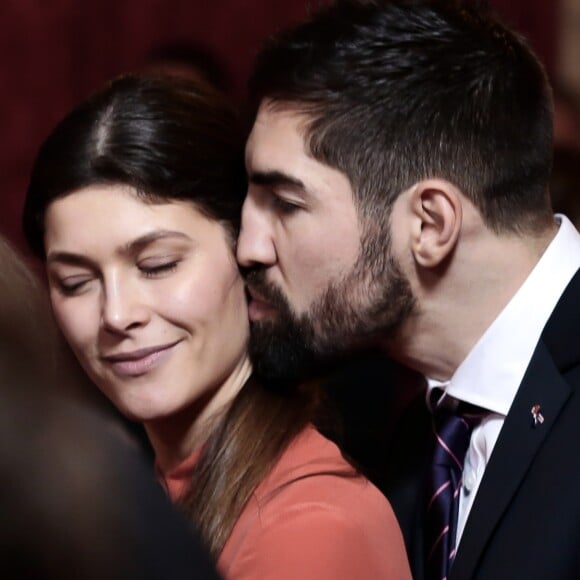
277 146
282 117
277 134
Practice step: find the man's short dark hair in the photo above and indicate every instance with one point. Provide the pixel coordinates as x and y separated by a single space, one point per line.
398 91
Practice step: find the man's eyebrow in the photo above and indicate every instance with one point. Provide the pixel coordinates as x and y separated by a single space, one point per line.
275 178
133 247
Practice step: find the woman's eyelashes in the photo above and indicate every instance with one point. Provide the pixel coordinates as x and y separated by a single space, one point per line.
72 285
158 268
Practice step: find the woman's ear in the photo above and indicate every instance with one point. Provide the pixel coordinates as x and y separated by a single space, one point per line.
437 213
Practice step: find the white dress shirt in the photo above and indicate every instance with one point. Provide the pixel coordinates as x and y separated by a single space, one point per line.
491 374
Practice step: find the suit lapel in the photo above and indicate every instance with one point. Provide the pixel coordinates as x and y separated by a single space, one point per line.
516 447
520 440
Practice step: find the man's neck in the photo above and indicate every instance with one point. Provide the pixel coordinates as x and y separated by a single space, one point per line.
455 309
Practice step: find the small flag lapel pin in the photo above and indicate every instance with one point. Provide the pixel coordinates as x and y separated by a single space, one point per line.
537 416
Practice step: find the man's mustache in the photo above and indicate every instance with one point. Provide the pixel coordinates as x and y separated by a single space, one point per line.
255 279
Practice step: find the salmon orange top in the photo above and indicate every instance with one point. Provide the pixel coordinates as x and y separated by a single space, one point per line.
314 517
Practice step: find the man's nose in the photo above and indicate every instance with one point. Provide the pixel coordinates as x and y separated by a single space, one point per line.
256 245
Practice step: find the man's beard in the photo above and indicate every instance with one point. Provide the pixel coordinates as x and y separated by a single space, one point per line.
369 304
281 348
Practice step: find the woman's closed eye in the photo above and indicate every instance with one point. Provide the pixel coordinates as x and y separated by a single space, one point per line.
158 268
72 285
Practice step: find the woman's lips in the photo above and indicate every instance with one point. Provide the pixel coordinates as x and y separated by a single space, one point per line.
139 362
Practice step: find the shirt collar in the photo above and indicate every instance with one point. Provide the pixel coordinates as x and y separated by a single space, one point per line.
490 375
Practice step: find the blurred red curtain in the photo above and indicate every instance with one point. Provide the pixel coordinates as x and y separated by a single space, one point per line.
55 52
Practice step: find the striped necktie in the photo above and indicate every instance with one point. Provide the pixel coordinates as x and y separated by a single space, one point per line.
452 429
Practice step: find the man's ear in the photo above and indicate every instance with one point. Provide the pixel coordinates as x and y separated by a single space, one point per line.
437 213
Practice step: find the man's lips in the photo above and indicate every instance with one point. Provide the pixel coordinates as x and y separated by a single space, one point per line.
258 307
141 361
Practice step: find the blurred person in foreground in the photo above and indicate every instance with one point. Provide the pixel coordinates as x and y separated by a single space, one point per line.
76 499
398 167
134 204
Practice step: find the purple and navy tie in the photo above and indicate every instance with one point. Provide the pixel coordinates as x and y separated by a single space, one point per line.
452 429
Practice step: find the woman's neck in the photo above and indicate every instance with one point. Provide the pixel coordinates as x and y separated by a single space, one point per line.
175 437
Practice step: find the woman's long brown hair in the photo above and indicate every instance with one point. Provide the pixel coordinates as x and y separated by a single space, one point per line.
242 449
176 139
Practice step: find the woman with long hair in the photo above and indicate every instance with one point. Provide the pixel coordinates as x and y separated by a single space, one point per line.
134 204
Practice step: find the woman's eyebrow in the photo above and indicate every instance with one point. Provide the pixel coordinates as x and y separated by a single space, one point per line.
135 246
132 247
69 258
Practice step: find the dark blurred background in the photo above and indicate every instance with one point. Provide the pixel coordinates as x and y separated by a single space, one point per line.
54 53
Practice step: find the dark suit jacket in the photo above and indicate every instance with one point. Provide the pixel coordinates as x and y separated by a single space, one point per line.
525 521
